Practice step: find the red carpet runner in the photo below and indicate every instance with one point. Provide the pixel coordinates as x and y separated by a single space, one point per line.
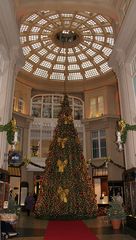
68 230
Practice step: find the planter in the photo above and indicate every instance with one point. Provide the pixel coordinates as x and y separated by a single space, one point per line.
8 217
116 223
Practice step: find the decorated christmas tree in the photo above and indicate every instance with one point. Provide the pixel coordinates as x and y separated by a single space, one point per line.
66 190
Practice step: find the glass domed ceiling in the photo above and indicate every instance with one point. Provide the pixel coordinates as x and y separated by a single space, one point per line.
66 46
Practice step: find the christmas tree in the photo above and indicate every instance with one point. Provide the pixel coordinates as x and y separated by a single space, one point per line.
66 190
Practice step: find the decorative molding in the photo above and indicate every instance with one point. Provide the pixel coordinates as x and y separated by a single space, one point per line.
127 29
125 40
117 60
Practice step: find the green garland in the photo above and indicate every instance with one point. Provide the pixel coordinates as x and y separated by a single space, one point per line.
124 127
10 129
27 161
104 164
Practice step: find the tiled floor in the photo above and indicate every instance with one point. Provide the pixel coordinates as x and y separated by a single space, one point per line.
30 228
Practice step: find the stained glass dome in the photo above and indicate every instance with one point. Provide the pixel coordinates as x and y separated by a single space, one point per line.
66 46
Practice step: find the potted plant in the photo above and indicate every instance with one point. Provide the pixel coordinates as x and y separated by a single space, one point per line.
116 213
11 213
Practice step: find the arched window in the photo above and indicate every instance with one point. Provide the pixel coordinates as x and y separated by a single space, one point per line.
45 109
49 106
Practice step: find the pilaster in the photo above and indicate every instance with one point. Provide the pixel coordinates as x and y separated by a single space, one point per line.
11 59
120 61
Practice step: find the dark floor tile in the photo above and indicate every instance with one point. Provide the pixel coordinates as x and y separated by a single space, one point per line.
29 232
131 232
108 230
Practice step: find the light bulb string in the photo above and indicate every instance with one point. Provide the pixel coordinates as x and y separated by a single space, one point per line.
65 56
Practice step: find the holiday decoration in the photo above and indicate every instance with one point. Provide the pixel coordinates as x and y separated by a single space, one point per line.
106 162
35 150
61 165
26 161
121 133
66 191
10 128
63 194
122 125
68 119
61 142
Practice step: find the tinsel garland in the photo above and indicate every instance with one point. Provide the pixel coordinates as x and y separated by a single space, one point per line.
10 129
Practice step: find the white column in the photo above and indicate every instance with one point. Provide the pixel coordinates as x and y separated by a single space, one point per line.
7 81
120 61
3 85
10 60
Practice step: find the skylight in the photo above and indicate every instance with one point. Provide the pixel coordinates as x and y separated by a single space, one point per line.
78 42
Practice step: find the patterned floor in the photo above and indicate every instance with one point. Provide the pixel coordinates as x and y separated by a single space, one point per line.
30 228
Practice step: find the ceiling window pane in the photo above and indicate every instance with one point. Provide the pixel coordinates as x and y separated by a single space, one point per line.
40 37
